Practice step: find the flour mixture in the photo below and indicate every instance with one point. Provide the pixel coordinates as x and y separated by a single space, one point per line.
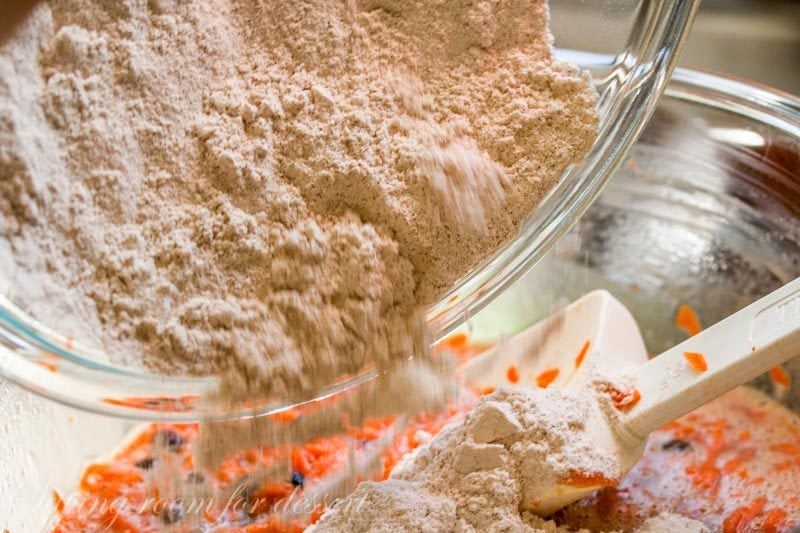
483 473
266 190
479 474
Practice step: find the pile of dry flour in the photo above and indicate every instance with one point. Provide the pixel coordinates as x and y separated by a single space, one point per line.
271 190
479 474
671 523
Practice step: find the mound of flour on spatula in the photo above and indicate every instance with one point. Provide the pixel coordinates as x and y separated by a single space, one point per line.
272 191
481 474
477 475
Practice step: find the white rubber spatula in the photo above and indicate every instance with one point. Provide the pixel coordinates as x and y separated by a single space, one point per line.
736 350
563 345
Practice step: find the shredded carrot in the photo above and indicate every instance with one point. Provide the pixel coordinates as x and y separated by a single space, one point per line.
512 374
302 459
160 403
286 417
696 360
99 476
457 341
582 354
544 379
687 320
740 519
632 399
589 479
786 448
49 366
623 400
58 502
680 430
773 520
751 413
732 465
780 376
705 474
486 390
316 513
113 520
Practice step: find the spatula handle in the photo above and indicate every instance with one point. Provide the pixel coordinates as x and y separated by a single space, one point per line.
736 350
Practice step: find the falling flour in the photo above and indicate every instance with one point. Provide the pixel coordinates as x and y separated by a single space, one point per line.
271 191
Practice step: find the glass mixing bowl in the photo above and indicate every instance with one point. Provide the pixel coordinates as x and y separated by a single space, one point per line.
630 47
706 211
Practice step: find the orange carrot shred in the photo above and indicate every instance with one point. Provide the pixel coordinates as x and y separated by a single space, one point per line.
780 376
58 502
687 320
696 360
512 374
457 341
49 366
547 377
589 479
783 466
582 354
773 520
740 519
286 417
786 448
623 400
633 399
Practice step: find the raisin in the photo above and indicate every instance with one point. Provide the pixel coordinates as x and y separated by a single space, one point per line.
676 444
170 439
195 477
172 514
298 479
145 464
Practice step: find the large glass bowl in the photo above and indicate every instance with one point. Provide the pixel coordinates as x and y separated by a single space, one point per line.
630 47
705 212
